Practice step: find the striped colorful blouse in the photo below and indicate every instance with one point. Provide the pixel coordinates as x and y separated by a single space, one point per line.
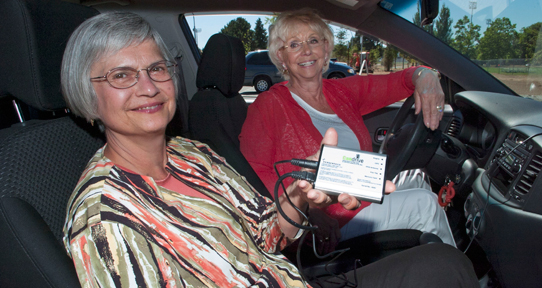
123 230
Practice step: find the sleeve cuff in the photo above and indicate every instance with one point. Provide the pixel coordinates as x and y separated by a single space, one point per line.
300 232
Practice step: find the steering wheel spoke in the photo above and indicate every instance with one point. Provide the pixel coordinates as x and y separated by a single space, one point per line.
402 140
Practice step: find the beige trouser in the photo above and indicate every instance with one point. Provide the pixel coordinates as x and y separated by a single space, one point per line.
412 206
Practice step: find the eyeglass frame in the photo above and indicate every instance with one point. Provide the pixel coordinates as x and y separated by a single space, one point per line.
104 77
287 47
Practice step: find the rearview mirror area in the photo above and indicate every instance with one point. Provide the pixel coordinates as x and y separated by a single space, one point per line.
428 11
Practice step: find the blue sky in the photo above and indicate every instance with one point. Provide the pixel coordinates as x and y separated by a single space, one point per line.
521 12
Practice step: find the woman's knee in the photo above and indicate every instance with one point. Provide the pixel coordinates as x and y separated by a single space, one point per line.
426 198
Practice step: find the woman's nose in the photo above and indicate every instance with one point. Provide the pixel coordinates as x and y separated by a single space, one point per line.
306 48
145 85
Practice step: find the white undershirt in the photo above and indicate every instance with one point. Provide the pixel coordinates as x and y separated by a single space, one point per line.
323 121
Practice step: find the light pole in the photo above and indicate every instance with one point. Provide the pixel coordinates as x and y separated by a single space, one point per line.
472 7
196 30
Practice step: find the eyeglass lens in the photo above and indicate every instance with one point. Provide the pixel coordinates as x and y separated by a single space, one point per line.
295 46
124 77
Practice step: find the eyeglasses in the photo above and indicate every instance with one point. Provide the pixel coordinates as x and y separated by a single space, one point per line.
126 77
295 46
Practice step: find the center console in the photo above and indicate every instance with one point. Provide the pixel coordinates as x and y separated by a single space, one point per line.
510 179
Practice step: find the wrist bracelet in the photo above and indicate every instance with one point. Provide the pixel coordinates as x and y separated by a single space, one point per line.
434 70
300 231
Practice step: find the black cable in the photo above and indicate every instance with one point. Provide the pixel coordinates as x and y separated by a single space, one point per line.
311 177
305 163
299 175
297 162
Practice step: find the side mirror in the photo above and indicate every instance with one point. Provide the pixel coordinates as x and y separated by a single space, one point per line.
429 11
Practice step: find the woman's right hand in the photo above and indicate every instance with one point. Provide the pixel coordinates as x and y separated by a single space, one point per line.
317 198
302 194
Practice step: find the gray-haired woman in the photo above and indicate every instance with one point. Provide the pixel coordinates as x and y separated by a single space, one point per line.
159 212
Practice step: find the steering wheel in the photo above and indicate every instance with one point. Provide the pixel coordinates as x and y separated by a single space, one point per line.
401 140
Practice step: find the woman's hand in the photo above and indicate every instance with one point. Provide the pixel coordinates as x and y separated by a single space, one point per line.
317 198
303 195
428 96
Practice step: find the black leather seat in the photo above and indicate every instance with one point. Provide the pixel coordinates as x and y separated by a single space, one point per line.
41 160
217 111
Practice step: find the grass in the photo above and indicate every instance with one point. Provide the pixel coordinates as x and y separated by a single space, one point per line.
515 70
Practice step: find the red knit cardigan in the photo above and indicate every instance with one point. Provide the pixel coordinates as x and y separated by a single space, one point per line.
277 128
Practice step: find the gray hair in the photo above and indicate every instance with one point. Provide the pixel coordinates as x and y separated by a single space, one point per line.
286 25
97 37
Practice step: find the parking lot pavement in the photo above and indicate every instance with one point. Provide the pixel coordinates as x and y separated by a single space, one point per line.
248 93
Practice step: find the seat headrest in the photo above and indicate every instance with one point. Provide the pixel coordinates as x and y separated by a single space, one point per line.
222 65
33 35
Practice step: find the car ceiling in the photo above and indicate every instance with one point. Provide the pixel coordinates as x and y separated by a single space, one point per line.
333 10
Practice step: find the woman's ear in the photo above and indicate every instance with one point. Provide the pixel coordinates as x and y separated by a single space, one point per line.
279 56
326 50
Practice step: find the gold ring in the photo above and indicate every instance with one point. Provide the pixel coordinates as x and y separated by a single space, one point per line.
439 109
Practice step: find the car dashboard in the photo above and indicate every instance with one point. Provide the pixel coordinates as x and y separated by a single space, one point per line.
503 134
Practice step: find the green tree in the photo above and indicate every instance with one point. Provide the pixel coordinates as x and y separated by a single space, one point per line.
528 39
467 37
409 58
340 51
240 28
537 58
370 43
443 26
354 45
260 35
374 47
374 54
500 41
390 54
271 20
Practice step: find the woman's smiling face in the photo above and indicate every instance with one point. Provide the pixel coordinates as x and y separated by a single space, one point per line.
145 108
307 63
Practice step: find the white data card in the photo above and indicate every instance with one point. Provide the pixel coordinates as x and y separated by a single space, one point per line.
358 173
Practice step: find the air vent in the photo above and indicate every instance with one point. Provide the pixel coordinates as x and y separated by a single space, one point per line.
455 127
527 179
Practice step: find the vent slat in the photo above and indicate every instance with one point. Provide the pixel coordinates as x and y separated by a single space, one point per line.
454 128
525 184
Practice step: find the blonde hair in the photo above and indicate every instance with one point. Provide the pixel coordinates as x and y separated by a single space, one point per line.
287 24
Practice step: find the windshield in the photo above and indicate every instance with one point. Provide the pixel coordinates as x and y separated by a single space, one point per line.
501 36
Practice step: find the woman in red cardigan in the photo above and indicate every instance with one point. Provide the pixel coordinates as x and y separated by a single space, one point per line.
289 121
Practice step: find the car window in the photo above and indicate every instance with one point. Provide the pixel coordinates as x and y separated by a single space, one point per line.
501 36
259 59
515 59
376 56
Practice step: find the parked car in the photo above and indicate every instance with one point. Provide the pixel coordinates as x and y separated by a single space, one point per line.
261 73
491 150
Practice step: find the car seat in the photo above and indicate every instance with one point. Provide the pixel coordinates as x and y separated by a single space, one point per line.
217 111
41 160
